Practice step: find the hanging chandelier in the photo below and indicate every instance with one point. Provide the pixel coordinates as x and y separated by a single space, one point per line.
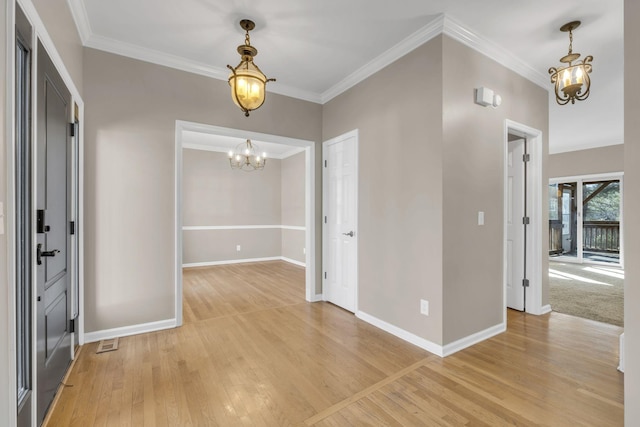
248 83
572 81
244 157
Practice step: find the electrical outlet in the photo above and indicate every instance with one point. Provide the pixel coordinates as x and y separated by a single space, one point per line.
424 307
304 251
238 248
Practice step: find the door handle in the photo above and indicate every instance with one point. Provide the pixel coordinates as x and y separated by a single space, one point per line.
40 253
350 234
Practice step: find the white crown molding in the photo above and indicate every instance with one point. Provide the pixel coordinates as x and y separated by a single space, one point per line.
177 62
441 25
81 18
420 37
156 57
488 48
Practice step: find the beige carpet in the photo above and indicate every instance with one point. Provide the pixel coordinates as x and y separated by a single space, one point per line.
593 292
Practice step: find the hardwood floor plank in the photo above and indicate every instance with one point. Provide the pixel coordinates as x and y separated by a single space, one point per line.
253 352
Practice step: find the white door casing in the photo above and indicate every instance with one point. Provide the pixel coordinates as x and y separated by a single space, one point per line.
182 126
340 214
515 226
535 186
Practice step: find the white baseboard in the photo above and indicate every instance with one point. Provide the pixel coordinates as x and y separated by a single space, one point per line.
545 309
401 333
431 347
230 261
241 261
316 298
470 340
621 365
129 330
293 261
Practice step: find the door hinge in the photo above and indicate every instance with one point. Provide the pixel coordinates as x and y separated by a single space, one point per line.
72 129
72 326
72 227
325 274
526 157
325 219
525 220
525 283
325 163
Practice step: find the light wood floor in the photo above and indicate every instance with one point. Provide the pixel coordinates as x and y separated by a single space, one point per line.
252 352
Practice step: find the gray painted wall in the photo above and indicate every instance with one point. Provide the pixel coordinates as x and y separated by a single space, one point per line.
131 109
632 212
419 236
292 190
220 245
57 18
587 162
293 206
400 188
213 194
473 180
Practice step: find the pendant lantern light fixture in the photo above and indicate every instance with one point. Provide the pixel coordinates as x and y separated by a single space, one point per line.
248 83
572 82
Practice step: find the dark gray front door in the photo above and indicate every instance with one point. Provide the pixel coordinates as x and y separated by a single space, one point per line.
52 231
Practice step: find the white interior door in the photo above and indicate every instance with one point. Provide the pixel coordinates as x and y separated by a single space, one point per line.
340 236
515 227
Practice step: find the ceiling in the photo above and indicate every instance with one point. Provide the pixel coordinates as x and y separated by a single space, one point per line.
317 49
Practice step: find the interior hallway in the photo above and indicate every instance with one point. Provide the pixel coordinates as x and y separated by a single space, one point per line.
252 352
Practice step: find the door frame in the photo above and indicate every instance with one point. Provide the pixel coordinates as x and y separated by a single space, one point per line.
534 181
38 32
580 180
310 201
325 204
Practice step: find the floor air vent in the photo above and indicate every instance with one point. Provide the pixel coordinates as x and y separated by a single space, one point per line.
107 345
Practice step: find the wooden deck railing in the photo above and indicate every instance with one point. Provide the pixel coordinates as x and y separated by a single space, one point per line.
601 236
598 236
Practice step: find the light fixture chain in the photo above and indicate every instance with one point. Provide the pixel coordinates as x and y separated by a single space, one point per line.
570 41
246 39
